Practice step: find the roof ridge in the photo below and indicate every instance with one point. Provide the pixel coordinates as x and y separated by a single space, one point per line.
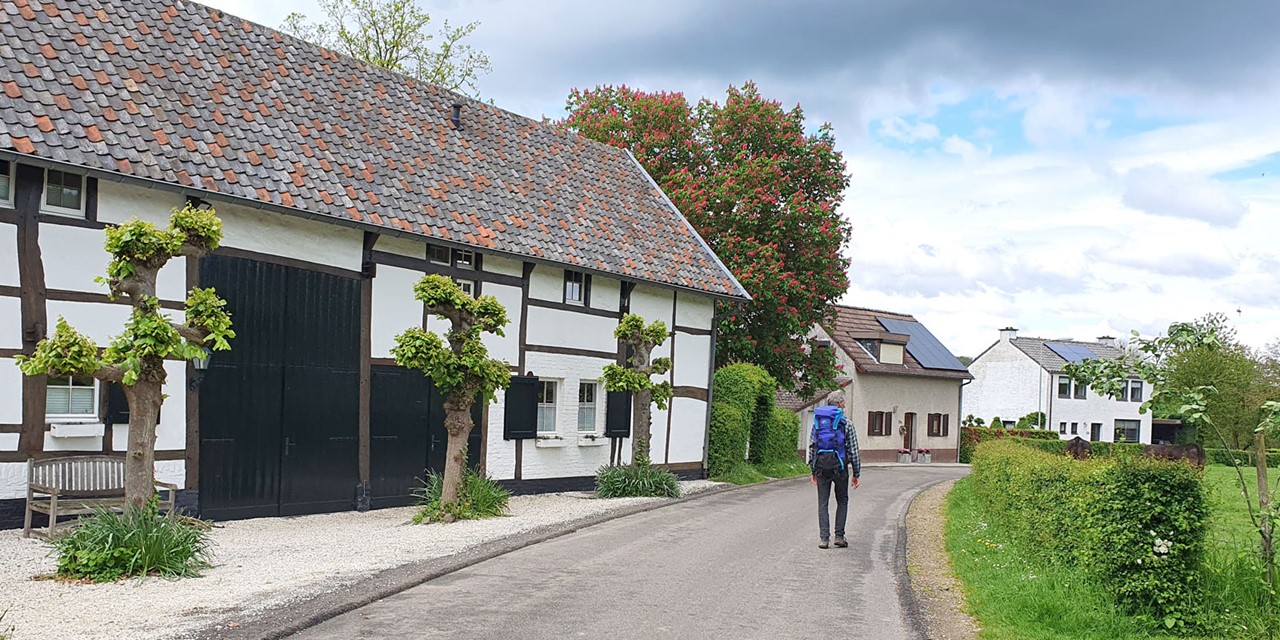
853 308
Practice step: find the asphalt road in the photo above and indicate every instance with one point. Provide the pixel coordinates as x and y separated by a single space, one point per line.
742 564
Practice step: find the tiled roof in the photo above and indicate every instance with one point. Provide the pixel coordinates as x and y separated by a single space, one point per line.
792 402
1052 362
852 320
181 93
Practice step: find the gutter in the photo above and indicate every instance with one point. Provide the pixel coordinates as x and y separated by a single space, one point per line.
218 196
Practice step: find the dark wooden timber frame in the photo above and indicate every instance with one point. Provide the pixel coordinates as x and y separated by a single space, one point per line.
526 277
28 187
671 376
367 272
193 398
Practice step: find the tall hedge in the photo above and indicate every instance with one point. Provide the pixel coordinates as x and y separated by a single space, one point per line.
727 443
751 390
1138 525
1109 449
971 436
784 433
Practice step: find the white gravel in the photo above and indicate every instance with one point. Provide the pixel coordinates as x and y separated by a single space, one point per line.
258 565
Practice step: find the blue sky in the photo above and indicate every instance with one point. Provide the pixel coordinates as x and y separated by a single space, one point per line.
1072 169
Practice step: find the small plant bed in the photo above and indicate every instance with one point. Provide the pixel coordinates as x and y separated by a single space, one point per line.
109 546
638 481
478 497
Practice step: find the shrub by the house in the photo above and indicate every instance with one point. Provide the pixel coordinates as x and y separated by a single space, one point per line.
971 436
750 389
138 542
727 441
641 480
478 497
1138 525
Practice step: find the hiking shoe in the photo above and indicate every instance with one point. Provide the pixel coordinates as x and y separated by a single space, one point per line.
824 544
841 542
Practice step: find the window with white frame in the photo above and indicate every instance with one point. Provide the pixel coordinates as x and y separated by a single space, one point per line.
547 406
1127 430
1135 391
575 288
468 286
6 183
71 398
464 259
1064 387
588 393
439 255
63 193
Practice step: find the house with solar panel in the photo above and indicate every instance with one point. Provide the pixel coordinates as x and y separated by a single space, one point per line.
1017 376
902 386
339 185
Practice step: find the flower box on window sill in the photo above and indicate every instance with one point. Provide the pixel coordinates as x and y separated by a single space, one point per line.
591 440
76 429
550 442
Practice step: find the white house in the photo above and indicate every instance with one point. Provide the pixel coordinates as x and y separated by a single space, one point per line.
339 186
1017 376
902 386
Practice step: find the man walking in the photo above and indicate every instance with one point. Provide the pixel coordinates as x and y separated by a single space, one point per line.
833 451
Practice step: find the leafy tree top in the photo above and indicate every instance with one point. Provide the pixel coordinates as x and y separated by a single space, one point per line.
642 338
464 365
763 191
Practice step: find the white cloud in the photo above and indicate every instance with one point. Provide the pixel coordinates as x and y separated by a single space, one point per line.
957 146
903 131
1159 191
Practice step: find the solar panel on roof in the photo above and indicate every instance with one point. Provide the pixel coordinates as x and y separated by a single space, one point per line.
922 346
1071 352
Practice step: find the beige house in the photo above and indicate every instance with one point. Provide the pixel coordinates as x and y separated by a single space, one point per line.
903 388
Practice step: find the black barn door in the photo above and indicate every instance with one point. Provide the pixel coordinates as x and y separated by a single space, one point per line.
279 412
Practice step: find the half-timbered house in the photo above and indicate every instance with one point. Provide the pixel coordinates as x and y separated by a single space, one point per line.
339 185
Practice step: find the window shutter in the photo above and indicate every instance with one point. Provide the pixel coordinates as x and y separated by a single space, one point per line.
520 417
871 423
117 411
586 290
946 424
617 417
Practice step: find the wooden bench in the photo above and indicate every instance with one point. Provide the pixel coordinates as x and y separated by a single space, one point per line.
78 485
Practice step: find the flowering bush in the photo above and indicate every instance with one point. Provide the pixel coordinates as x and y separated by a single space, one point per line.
904 451
923 451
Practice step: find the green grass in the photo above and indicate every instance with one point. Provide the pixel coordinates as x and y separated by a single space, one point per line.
792 468
478 497
139 542
1018 599
1013 597
742 473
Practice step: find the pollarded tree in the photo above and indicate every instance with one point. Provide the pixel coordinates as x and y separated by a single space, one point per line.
635 378
764 192
135 358
462 370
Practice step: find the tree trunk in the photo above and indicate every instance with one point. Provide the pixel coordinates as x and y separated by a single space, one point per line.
145 399
641 410
1264 504
457 422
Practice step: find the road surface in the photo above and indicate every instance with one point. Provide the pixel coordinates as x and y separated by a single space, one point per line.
741 564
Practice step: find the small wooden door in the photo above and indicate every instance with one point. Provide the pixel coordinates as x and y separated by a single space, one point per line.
909 426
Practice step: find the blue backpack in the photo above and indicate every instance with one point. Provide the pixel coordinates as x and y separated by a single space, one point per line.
828 439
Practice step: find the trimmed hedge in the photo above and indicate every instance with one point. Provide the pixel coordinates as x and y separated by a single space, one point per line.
727 441
751 389
1110 449
1244 458
783 434
1138 525
971 436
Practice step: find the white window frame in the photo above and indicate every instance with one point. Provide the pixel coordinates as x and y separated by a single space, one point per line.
45 207
1067 380
468 286
448 253
6 199
1136 384
1137 430
91 416
579 278
554 406
597 414
464 259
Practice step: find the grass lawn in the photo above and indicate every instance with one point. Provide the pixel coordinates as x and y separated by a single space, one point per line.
747 473
1015 597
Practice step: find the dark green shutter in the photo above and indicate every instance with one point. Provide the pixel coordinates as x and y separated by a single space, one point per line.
520 419
617 416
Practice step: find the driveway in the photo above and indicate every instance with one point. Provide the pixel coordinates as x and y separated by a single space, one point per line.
740 564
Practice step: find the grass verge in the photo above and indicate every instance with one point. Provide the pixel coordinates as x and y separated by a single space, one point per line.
747 473
1017 598
793 468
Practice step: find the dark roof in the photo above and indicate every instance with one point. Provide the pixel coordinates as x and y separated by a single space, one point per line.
792 402
181 93
856 321
1050 360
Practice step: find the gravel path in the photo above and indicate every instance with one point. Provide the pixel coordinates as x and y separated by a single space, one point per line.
939 593
258 565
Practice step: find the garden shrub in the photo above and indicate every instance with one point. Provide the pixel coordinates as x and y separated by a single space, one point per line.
478 497
783 437
636 481
1137 524
727 441
1244 458
751 389
971 436
108 546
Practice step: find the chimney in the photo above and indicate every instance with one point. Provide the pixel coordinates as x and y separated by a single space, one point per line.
1111 342
1008 333
457 116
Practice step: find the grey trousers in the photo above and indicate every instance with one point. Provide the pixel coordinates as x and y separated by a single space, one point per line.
825 482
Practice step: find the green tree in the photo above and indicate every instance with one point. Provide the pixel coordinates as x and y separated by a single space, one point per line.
640 340
394 34
763 191
463 370
135 358
1033 420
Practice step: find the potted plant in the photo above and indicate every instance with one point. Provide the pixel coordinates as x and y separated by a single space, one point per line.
904 455
924 455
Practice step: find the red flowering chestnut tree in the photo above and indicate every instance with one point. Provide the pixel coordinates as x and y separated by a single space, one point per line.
762 191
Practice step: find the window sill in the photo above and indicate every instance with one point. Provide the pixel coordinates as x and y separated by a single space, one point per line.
550 443
76 429
598 441
62 213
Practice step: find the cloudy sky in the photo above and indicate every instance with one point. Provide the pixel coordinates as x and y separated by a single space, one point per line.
1072 169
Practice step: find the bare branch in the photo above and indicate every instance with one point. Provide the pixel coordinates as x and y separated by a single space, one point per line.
191 334
110 373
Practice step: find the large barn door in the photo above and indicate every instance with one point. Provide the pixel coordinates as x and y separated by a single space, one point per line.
279 412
